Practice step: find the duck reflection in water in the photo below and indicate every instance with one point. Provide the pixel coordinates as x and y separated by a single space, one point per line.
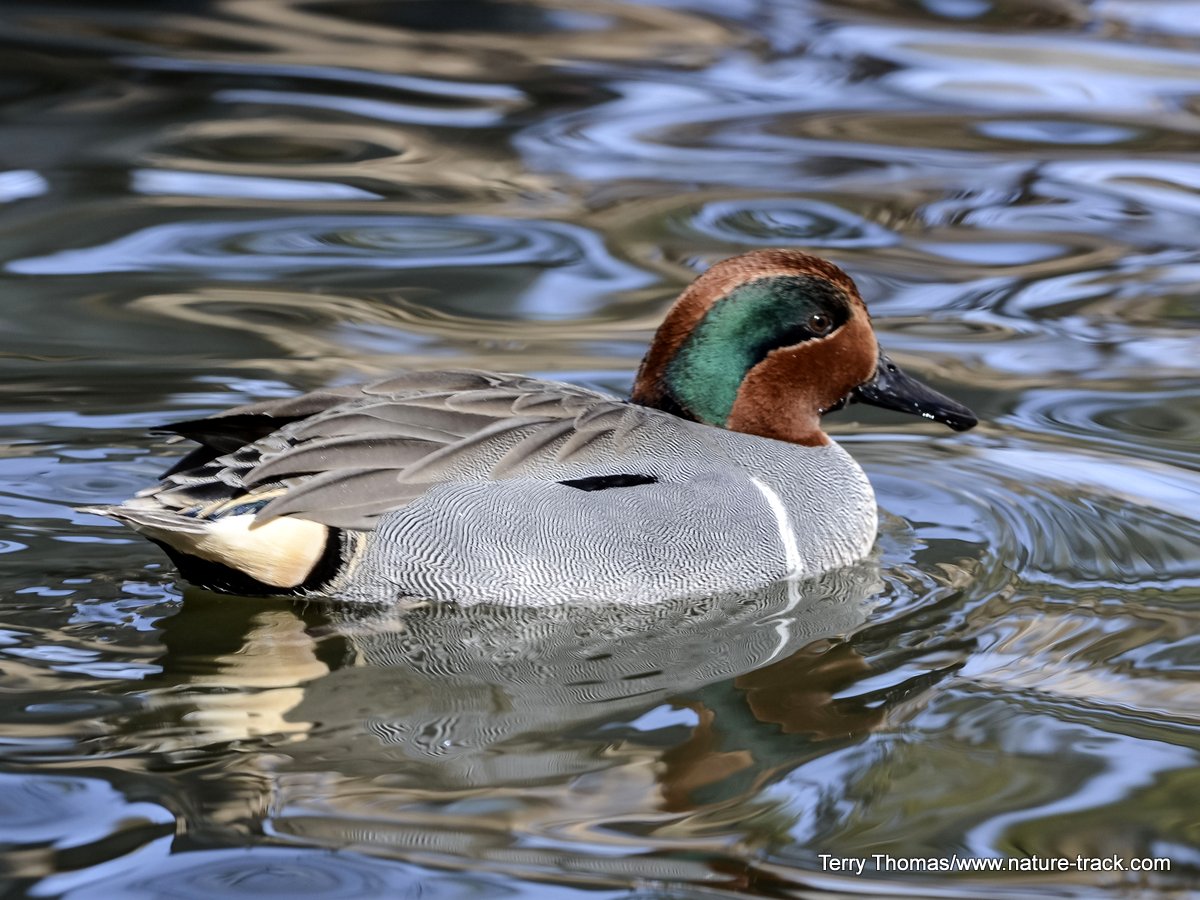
618 711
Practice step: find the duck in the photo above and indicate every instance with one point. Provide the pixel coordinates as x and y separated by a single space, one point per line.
466 486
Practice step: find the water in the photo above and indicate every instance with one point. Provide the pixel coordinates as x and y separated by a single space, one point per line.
203 204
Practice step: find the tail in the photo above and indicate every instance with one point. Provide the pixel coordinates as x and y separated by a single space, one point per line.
148 519
287 555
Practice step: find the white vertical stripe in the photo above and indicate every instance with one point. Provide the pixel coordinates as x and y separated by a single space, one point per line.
787 537
791 553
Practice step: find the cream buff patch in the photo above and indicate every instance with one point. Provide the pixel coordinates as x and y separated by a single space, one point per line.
281 553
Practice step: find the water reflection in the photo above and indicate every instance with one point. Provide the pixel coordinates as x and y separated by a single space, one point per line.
453 734
269 248
803 222
259 871
442 685
488 726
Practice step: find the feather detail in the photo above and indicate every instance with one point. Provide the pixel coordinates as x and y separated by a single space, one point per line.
346 452
345 456
280 554
351 498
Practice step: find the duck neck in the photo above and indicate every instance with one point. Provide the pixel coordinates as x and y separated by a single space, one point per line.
651 387
773 403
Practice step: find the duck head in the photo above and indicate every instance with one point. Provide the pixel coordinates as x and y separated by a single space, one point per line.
766 342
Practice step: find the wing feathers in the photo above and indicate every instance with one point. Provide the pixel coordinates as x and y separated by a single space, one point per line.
345 456
345 499
378 451
538 442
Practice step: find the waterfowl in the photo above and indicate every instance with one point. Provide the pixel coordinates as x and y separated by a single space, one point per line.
715 475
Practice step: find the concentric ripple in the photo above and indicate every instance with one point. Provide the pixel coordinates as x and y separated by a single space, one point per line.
1059 518
778 222
264 871
571 261
266 247
67 811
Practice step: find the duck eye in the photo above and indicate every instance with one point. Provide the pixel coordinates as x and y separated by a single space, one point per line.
820 324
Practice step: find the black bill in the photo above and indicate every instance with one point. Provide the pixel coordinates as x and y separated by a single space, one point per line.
892 389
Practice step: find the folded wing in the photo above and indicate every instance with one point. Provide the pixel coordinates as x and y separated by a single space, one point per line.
345 456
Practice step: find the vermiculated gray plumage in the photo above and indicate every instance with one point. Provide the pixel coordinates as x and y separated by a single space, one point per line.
454 480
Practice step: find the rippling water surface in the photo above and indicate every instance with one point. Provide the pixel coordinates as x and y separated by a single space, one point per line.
209 202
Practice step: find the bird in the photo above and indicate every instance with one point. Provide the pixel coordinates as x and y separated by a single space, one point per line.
467 486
